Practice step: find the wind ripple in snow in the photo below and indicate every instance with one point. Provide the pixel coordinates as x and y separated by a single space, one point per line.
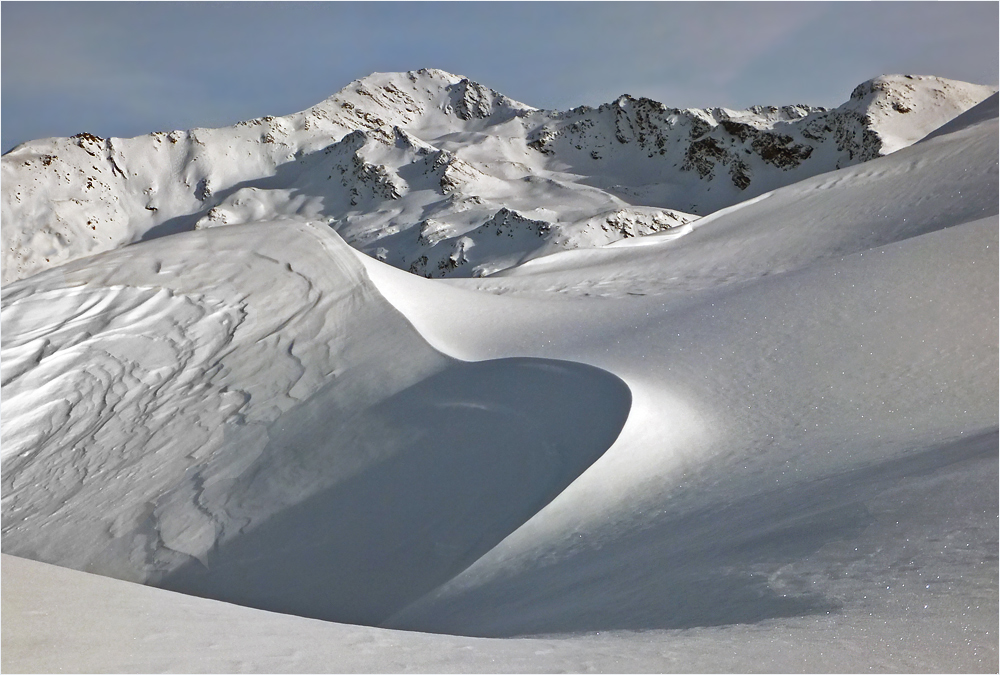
267 429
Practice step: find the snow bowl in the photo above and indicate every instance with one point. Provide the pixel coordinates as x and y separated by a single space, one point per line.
266 429
468 455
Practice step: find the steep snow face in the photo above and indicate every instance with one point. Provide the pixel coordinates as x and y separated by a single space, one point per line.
395 156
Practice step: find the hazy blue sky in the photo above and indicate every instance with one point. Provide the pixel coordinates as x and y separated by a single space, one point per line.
123 69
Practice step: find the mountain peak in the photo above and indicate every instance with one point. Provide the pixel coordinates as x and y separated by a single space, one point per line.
428 76
392 150
906 108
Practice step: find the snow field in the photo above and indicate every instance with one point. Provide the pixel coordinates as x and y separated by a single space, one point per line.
767 444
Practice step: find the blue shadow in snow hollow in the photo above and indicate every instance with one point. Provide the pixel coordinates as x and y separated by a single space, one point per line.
453 465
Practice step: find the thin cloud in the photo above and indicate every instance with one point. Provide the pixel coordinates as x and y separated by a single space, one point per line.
129 68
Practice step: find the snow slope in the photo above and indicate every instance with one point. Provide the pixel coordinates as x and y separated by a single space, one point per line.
174 408
441 176
784 425
61 619
765 442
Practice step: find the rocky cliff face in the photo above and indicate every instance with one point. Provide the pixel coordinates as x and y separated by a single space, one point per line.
421 169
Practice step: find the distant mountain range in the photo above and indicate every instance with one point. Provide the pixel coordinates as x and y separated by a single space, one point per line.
441 176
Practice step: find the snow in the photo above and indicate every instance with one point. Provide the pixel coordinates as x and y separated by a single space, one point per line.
763 440
928 186
883 96
394 152
230 418
89 623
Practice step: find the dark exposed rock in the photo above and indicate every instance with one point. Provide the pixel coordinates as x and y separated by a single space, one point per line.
740 130
740 173
453 171
702 156
471 100
203 190
431 232
779 150
84 136
508 222
419 267
699 127
541 140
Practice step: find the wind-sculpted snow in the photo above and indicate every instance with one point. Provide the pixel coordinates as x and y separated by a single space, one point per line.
138 365
393 151
762 439
175 409
795 447
405 494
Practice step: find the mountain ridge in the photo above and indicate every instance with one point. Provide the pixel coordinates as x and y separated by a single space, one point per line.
408 149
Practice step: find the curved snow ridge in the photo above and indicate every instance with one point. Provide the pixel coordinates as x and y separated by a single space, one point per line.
267 429
403 495
818 388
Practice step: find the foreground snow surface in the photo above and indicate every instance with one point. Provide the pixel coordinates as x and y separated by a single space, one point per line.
768 442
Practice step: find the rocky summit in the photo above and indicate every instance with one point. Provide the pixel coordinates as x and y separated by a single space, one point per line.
442 176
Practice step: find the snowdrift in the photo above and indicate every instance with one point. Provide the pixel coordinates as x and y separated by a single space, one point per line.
237 413
783 385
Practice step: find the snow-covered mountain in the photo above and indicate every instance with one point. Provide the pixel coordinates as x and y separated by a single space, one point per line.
762 439
441 176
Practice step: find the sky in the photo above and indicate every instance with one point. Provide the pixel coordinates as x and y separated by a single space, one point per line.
128 68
